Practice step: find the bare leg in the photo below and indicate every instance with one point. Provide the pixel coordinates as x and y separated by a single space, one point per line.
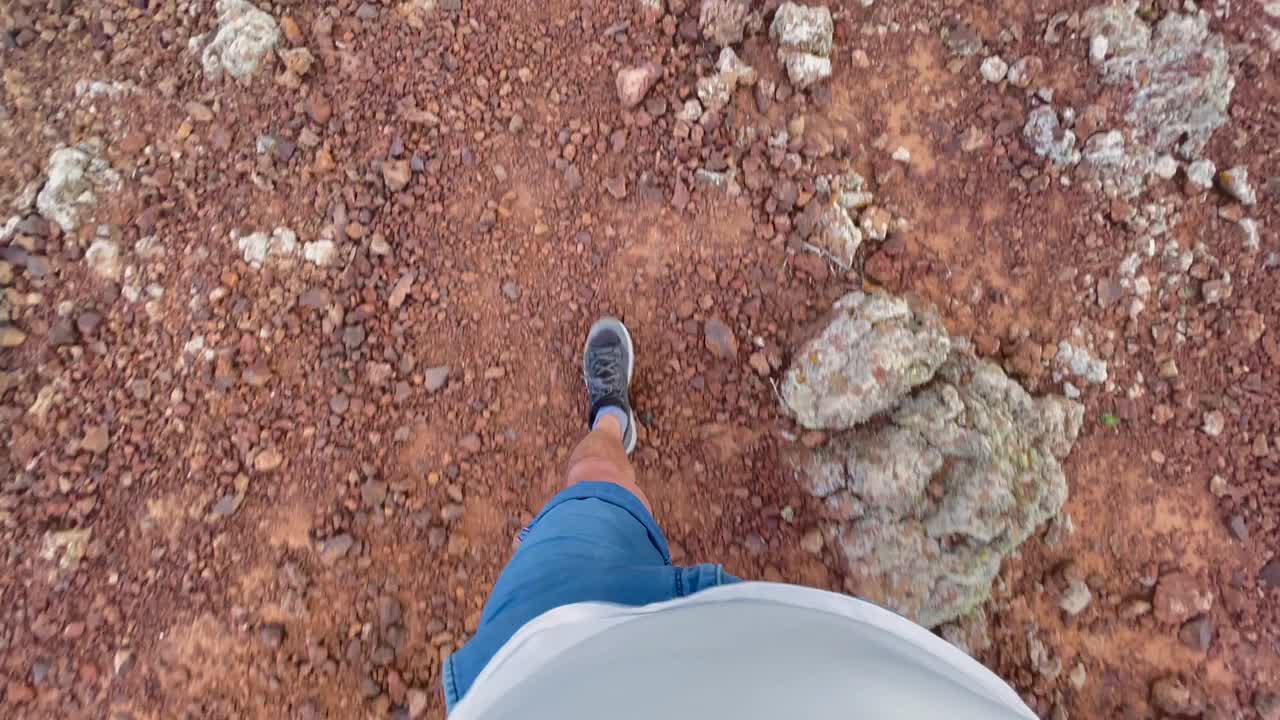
600 458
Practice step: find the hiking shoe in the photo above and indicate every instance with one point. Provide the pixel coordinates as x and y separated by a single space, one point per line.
607 363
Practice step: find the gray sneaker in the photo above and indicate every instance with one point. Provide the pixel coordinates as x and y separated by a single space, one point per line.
608 361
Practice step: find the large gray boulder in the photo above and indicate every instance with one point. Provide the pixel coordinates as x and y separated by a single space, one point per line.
874 350
924 506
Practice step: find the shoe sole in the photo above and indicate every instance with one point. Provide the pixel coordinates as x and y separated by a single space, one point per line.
612 323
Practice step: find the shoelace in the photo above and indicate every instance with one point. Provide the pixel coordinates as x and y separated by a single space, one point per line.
605 368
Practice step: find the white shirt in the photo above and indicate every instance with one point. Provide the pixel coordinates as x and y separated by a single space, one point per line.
742 651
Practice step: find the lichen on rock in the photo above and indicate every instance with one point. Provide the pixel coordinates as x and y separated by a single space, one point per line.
874 350
75 177
245 36
961 466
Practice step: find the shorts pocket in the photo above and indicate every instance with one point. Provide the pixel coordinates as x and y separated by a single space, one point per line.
690 580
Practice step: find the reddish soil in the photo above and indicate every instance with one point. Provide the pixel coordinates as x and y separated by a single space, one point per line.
179 610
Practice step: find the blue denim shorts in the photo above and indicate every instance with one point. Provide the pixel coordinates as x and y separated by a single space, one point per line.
594 541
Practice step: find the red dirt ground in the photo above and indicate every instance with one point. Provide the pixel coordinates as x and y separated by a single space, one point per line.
174 611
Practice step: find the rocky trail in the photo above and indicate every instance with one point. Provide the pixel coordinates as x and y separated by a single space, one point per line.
967 308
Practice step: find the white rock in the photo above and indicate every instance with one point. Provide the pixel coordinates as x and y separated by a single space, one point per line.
1200 173
103 259
257 248
690 111
804 69
1081 364
1076 598
245 36
1252 239
320 252
1235 182
1165 167
1098 47
803 28
994 69
253 248
1214 423
75 175
714 92
902 155
734 71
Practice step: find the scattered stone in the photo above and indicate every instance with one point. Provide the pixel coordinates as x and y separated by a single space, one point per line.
1048 138
715 91
400 291
199 112
962 40
1081 364
1270 574
1252 239
373 493
1200 173
75 177
1235 182
719 339
1170 695
803 28
226 506
73 544
735 72
335 548
435 378
722 21
690 111
1197 634
103 259
245 36
396 174
804 69
1179 598
993 69
267 460
1076 597
1214 423
1165 167
1045 664
1267 704
875 223
292 32
272 635
616 187
1239 528
257 248
1079 675
1024 71
875 348
96 439
812 542
804 36
833 232
633 83
11 337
